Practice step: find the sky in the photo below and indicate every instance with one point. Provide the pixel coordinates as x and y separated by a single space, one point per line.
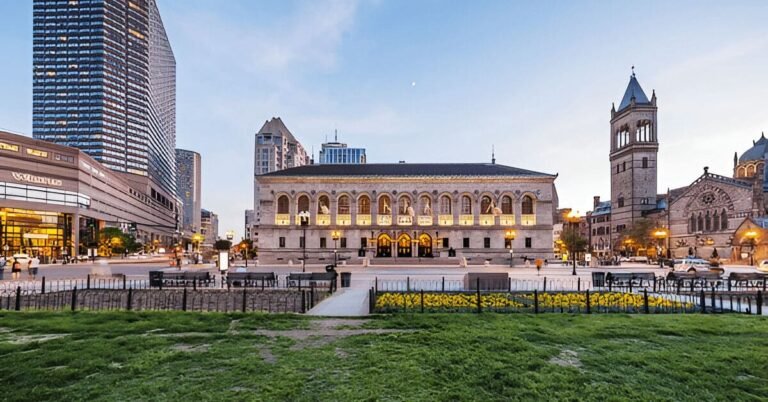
445 81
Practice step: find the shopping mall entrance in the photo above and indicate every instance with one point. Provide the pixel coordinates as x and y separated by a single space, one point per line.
46 235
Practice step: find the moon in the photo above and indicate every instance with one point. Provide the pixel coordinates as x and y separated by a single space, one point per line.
413 83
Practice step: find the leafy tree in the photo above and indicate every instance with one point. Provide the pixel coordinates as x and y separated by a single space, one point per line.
640 233
573 241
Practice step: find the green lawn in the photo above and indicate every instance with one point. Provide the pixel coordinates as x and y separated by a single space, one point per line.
192 356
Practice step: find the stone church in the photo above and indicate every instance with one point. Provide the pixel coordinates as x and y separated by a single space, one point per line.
723 212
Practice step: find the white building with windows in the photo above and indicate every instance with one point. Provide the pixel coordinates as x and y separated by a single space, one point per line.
406 212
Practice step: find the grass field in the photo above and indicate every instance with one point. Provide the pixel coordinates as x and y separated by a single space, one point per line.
175 356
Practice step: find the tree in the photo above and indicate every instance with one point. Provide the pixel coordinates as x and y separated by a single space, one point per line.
573 241
640 233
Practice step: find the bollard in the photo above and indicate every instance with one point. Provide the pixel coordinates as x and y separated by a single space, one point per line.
589 311
130 299
184 300
43 286
74 298
535 301
645 301
18 298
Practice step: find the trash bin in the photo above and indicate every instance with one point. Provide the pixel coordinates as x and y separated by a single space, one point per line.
346 279
598 279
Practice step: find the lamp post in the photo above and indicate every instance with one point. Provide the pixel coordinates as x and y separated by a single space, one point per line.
573 220
335 235
244 246
751 235
509 235
6 247
304 221
660 235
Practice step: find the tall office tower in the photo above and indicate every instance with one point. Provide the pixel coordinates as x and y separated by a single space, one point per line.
339 154
209 227
105 82
188 189
276 149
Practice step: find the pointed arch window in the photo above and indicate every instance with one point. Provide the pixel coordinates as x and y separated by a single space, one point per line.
700 223
723 220
715 221
692 224
707 222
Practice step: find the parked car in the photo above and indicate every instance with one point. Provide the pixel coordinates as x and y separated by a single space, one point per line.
695 265
23 259
763 266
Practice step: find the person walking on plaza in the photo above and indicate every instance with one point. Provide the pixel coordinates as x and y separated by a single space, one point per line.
15 269
34 266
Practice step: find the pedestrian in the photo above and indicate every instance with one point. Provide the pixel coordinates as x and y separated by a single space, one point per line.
546 262
34 266
15 269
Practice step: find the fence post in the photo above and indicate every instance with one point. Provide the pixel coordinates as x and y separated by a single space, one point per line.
654 284
18 298
535 301
589 311
479 306
703 301
88 282
578 284
376 283
74 298
43 286
184 300
407 283
759 300
422 301
630 285
729 284
130 298
312 295
713 298
125 282
443 286
245 296
545 283
645 301
303 301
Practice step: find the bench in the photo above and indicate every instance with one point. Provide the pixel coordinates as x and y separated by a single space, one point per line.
305 279
693 280
630 279
163 279
251 279
747 280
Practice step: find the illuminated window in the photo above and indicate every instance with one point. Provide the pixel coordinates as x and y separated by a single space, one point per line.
9 147
35 152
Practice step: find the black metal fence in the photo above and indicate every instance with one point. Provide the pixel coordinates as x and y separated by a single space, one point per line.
184 299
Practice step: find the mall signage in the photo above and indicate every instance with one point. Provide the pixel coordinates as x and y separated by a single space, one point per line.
30 178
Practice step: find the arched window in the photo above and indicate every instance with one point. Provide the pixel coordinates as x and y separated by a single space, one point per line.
486 205
425 205
403 205
707 222
700 223
364 205
723 220
692 224
445 205
283 205
527 205
343 205
466 205
385 205
715 221
303 204
323 205
750 170
506 205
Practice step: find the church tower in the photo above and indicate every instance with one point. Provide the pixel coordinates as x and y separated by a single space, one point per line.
634 148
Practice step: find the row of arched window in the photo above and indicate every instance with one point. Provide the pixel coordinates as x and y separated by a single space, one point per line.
405 205
749 170
643 133
709 221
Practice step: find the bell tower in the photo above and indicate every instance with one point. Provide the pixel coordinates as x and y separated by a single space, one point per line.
634 148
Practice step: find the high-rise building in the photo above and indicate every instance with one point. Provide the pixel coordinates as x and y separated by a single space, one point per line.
209 227
249 227
634 147
339 154
105 82
188 189
276 149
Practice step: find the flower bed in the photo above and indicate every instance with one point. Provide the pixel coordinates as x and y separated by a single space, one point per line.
526 302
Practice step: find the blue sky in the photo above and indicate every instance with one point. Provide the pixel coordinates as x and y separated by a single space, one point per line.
535 79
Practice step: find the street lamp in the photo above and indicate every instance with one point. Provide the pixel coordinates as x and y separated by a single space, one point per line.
244 246
304 221
509 235
659 234
335 235
6 247
573 219
751 235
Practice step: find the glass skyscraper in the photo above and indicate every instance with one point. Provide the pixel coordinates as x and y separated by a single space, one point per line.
105 82
337 153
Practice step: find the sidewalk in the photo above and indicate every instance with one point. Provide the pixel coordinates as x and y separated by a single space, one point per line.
347 302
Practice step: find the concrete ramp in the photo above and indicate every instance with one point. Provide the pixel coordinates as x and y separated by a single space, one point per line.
347 302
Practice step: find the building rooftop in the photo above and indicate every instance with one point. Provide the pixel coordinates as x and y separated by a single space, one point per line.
409 169
756 152
634 90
